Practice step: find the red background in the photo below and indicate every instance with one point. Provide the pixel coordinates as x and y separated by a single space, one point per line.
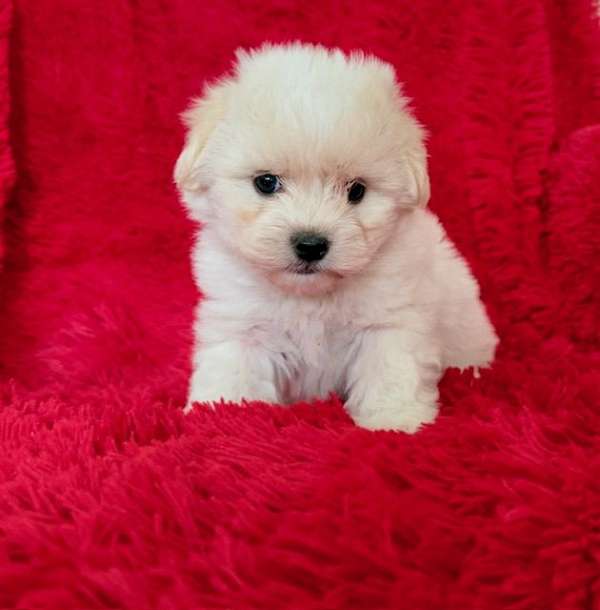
110 498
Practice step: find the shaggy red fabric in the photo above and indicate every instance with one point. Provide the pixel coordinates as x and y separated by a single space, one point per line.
111 498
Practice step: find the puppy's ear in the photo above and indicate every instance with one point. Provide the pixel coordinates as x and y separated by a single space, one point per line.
412 137
200 118
416 163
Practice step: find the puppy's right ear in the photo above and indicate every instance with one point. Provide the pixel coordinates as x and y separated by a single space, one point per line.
200 118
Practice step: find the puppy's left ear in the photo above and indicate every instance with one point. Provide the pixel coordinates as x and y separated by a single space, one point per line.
417 176
411 139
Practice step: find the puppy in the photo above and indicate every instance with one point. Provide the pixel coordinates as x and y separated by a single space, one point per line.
320 267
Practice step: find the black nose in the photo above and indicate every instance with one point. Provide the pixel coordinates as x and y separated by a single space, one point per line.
310 247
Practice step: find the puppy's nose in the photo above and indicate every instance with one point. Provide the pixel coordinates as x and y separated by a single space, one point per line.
310 247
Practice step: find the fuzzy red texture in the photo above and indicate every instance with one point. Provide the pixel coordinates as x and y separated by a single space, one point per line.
111 498
7 172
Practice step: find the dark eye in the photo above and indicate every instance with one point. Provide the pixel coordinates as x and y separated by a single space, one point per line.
267 184
356 192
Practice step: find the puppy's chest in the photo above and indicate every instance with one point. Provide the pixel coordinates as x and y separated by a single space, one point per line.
314 355
310 341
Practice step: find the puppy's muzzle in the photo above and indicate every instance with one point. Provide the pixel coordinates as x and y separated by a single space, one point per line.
309 246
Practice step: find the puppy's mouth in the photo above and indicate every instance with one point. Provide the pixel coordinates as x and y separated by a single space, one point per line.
307 270
310 269
301 268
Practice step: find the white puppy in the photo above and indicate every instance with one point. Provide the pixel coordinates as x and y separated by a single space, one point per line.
320 267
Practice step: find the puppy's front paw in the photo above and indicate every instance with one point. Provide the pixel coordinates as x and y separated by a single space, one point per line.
402 418
207 394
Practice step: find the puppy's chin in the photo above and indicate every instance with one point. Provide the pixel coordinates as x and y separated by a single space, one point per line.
313 284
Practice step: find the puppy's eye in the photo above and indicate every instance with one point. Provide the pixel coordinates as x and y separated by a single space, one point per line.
356 192
267 184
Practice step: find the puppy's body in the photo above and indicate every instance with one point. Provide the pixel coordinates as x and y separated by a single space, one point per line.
388 307
386 335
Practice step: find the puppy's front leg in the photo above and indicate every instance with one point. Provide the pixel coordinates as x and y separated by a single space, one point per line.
392 382
232 370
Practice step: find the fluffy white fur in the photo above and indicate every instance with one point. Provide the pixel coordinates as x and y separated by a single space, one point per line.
392 304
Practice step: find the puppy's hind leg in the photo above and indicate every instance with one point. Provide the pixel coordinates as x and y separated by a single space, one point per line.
231 371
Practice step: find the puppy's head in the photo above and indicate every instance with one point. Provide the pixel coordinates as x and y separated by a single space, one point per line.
302 162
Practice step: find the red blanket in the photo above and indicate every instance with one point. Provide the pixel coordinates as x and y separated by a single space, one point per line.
111 498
